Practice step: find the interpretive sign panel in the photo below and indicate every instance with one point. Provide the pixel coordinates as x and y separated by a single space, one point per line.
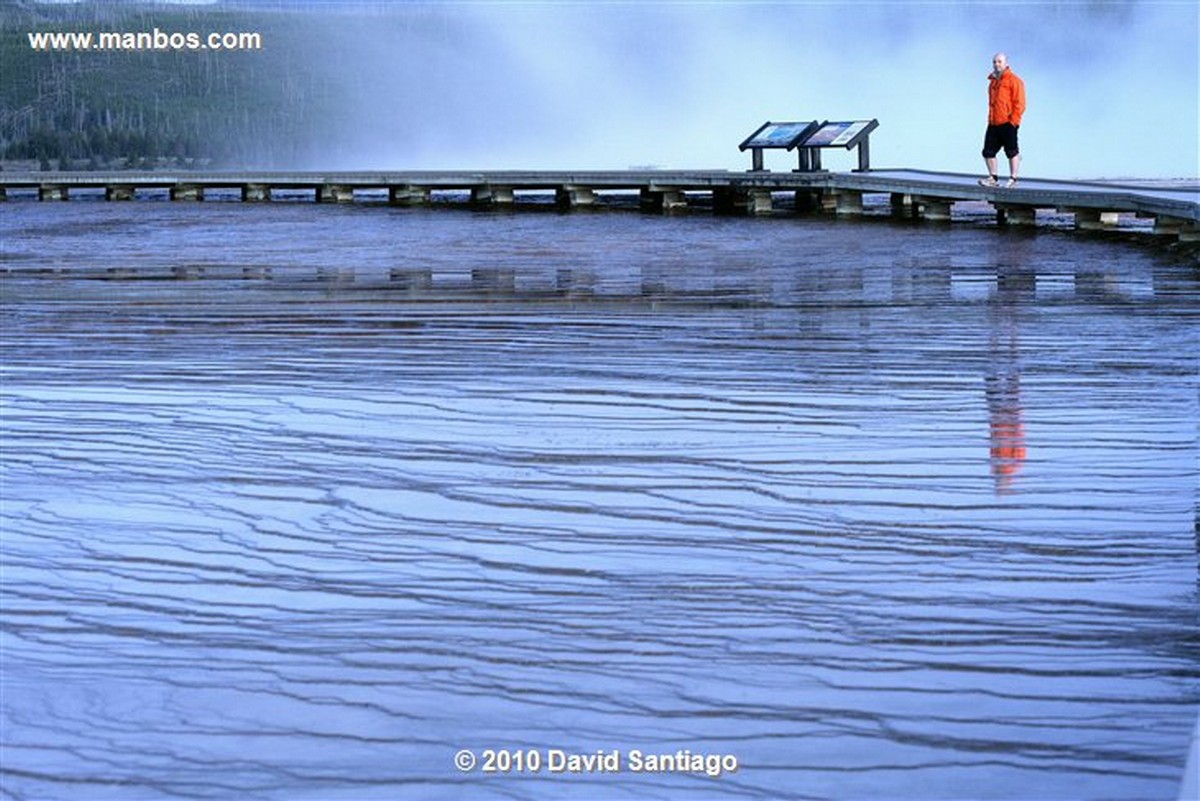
840 134
785 135
808 138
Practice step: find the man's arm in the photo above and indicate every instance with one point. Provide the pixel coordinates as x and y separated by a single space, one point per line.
1018 102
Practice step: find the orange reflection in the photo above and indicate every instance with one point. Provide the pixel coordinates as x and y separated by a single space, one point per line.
1006 429
1006 425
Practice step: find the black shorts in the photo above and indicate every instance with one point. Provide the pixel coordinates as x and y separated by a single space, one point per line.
1001 136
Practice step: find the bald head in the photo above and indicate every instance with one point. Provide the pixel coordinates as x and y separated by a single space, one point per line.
999 62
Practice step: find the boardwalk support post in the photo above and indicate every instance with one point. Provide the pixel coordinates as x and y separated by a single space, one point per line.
758 202
335 193
742 201
935 209
575 196
1093 219
408 195
488 195
1185 230
849 204
662 199
187 192
118 192
808 201
255 193
1016 215
728 201
903 205
52 192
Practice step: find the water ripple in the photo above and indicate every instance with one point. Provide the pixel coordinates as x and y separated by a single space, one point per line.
883 511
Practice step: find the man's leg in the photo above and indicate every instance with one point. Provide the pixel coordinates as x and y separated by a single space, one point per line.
1012 149
991 144
990 180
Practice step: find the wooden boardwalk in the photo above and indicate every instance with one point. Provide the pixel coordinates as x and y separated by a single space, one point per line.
923 194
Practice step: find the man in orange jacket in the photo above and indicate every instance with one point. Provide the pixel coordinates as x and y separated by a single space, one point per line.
1006 104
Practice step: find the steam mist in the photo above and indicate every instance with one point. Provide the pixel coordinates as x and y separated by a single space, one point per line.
1112 86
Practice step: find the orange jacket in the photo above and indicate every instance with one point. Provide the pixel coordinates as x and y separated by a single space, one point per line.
1006 98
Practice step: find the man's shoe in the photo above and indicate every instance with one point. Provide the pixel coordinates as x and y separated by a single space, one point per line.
1012 184
989 181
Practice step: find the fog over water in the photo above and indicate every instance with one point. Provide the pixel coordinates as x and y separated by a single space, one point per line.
1112 87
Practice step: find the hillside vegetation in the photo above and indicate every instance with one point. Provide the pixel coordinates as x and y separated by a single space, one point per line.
137 109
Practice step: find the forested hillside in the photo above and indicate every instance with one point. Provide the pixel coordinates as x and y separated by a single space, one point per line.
105 109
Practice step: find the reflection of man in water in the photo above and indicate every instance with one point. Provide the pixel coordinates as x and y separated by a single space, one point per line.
1006 427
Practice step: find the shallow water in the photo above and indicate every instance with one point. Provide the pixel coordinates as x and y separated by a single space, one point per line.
299 501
